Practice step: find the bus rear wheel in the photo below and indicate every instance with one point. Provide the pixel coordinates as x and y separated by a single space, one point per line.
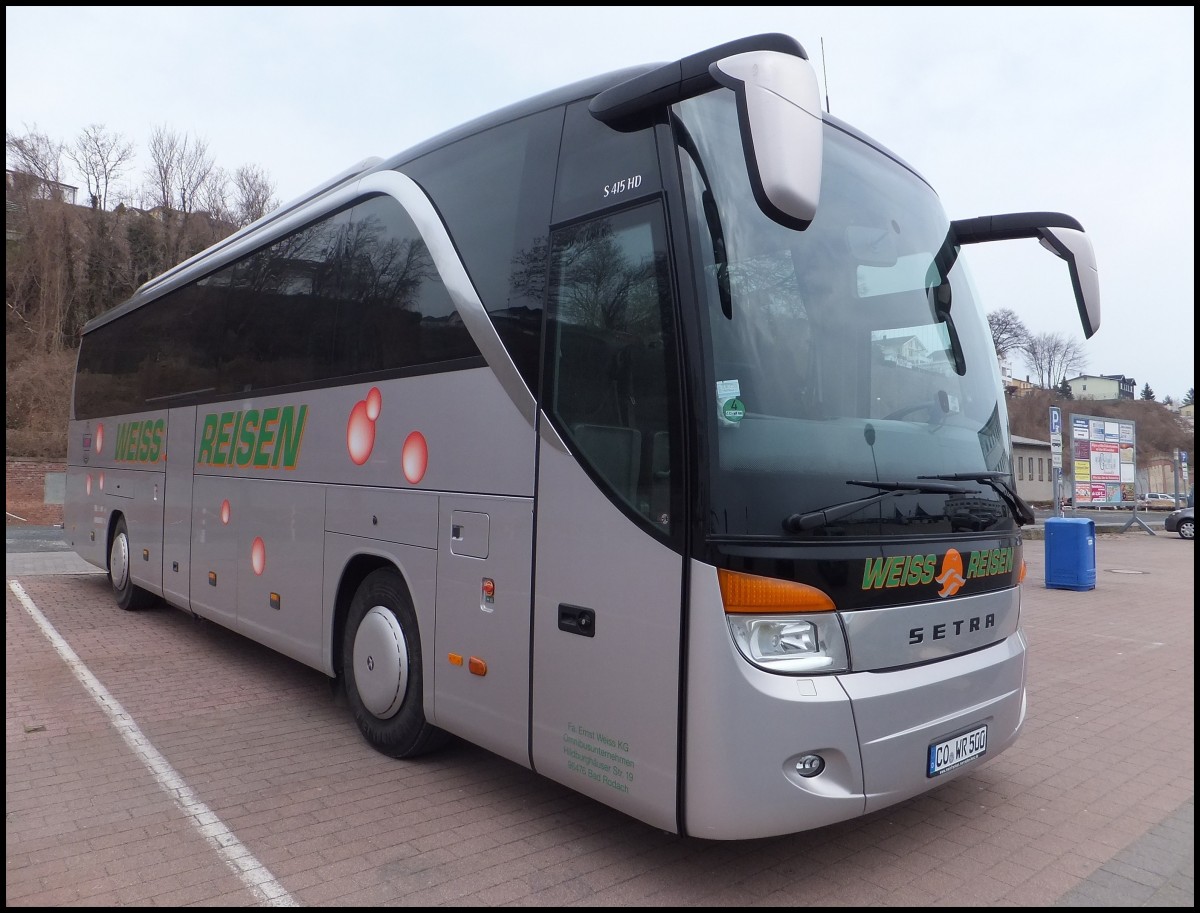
129 597
382 668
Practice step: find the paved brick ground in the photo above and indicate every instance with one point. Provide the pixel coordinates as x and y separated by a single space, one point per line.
276 799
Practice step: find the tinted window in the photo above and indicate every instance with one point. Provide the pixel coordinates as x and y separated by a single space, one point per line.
279 309
493 191
355 293
150 357
395 311
611 381
104 380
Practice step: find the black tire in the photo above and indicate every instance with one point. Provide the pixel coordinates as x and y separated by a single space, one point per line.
382 669
129 597
1187 529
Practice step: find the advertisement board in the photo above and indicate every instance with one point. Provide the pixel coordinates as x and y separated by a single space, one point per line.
1102 461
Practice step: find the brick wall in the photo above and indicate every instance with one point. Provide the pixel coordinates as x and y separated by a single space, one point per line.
33 492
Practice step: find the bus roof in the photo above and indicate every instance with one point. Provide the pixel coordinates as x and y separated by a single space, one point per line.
208 259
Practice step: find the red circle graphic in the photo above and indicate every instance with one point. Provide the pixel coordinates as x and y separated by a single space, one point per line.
360 434
415 457
374 403
258 555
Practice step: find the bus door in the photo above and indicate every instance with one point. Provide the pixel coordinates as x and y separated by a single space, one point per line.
607 583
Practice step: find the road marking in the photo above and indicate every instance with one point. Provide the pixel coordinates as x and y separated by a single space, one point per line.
252 873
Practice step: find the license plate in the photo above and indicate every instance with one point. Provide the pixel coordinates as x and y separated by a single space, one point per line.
955 752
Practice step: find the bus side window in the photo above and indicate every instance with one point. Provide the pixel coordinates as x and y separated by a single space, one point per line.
611 379
503 243
394 311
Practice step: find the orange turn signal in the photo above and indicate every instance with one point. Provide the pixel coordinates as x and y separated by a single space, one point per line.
749 594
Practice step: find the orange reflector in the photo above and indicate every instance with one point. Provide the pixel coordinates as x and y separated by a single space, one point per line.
455 659
477 666
747 594
1024 569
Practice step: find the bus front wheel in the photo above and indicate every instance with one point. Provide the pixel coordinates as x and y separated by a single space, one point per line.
129 597
382 669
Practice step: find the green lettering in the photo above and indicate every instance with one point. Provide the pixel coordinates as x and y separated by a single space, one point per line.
291 433
156 451
144 441
873 574
221 450
245 445
895 566
266 437
262 439
930 568
233 438
972 566
122 440
208 436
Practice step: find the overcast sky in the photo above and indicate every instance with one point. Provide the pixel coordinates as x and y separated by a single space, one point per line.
1087 111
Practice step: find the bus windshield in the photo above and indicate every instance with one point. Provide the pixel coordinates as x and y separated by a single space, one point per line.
850 377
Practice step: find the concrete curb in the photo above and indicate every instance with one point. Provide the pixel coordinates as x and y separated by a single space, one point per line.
1038 531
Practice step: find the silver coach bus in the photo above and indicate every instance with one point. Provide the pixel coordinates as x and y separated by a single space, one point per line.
647 433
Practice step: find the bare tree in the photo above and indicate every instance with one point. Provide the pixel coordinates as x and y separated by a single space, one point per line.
38 155
41 289
180 168
164 163
1053 356
214 196
40 272
254 194
1008 332
195 168
101 157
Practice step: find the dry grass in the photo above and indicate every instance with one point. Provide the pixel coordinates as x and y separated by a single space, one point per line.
37 400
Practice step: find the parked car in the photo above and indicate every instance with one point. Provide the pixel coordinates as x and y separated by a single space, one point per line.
1182 521
1158 500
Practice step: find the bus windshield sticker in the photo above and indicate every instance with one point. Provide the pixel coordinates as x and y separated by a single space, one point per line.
730 407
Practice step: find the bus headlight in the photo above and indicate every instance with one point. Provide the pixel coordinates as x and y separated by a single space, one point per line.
795 644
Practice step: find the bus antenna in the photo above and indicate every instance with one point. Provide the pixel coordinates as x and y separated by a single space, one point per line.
825 74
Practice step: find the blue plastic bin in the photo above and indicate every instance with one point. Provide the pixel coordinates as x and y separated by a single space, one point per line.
1070 553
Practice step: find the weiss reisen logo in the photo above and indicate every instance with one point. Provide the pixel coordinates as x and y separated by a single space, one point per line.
952 576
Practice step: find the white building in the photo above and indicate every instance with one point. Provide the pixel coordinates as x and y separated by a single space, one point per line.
1102 386
1034 471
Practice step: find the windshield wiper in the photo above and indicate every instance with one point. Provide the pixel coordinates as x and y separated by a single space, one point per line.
999 483
797 523
925 488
